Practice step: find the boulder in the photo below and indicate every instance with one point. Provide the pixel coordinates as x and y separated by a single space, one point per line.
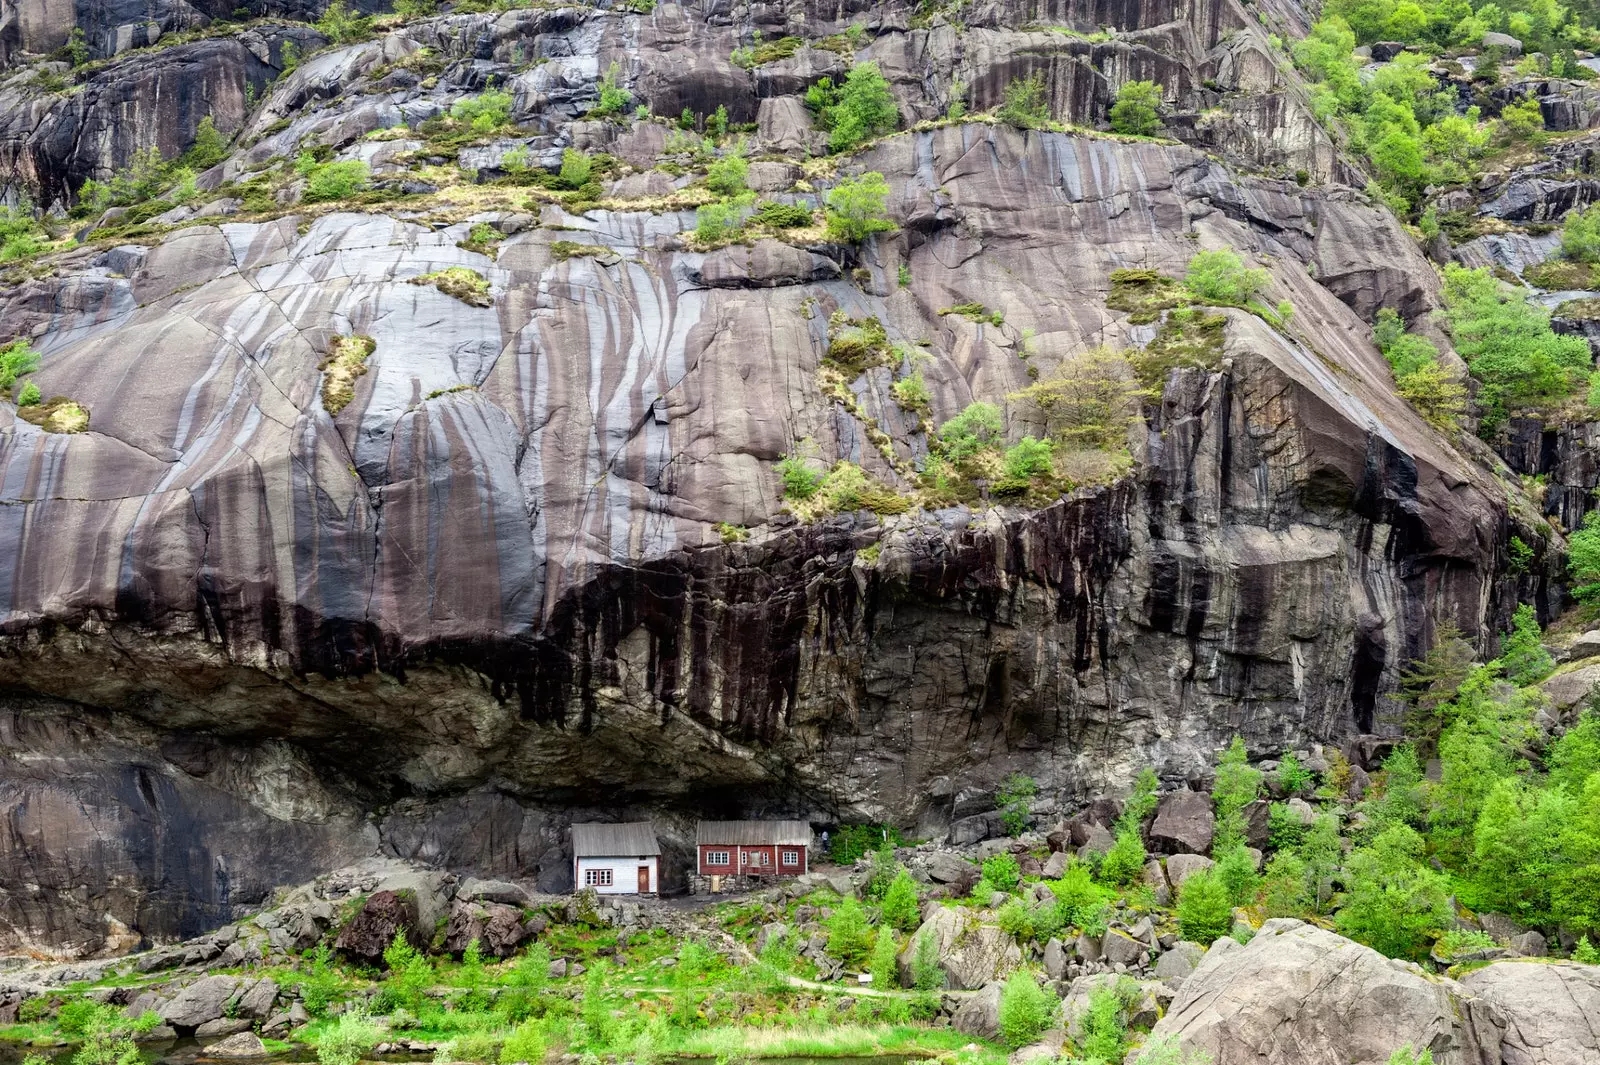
1299 995
1501 928
1573 686
770 933
1258 823
1075 1004
1047 1048
221 1026
1175 965
1503 41
1181 867
1096 841
502 891
1384 51
366 935
1587 645
1054 866
239 1045
945 867
498 928
979 1014
1552 1010
1055 959
255 1001
1088 947
1119 948
983 953
1155 879
1184 824
202 1001
1530 945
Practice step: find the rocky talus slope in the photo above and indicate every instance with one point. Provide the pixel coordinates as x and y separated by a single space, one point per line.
538 565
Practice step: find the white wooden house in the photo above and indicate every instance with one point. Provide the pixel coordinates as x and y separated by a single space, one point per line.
616 859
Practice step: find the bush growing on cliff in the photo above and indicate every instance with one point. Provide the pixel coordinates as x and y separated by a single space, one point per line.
978 426
20 235
1026 104
1137 110
330 182
485 113
1013 797
860 108
1522 653
16 359
726 176
341 26
1221 277
1002 871
855 208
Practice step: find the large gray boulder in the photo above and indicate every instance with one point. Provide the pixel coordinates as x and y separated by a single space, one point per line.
1552 1010
979 1014
971 953
1184 824
1300 995
202 1001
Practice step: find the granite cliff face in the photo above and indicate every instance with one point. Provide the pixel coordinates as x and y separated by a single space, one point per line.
246 639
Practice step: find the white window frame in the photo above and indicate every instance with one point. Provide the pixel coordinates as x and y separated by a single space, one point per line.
791 858
597 878
717 858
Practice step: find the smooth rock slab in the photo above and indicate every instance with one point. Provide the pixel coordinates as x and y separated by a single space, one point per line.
1552 1010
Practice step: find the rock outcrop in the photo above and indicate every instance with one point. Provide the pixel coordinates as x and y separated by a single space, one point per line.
539 562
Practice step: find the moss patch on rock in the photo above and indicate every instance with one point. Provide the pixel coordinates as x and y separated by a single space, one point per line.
464 284
1187 338
1144 294
59 414
346 361
571 249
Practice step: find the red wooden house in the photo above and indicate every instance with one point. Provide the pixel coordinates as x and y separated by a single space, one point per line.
753 848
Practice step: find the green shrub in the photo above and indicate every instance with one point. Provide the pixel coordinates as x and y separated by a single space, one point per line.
1013 797
1580 235
614 99
1405 1055
1025 1010
1105 1029
855 208
1236 786
1394 903
861 108
782 215
716 222
1026 104
1077 894
1029 458
321 984
1236 869
347 1040
29 396
410 972
335 181
850 842
1283 887
1015 920
900 909
911 392
1585 953
1137 110
16 359
1143 801
486 112
341 26
1002 871
726 176
20 235
1204 912
1124 863
1221 277
1292 777
210 146
717 124
978 426
1583 551
849 938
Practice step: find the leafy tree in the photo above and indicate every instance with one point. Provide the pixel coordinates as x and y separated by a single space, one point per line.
1236 869
576 168
1394 903
410 971
1522 653
1401 801
1523 120
1091 401
926 973
1124 863
726 176
900 909
860 109
486 112
1143 801
210 146
318 988
29 396
342 26
1026 104
849 938
855 209
1575 757
1293 778
1220 277
1025 1010
1204 912
1105 1029
1432 682
1583 551
1585 953
1284 887
717 124
1137 110
884 967
1236 786
722 221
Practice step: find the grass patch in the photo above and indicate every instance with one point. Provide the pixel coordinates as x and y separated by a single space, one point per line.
56 415
571 249
765 52
346 361
1556 274
1144 294
464 284
483 239
833 1041
1188 338
974 312
1584 310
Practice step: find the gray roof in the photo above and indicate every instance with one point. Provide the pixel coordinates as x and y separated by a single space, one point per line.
754 833
637 839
